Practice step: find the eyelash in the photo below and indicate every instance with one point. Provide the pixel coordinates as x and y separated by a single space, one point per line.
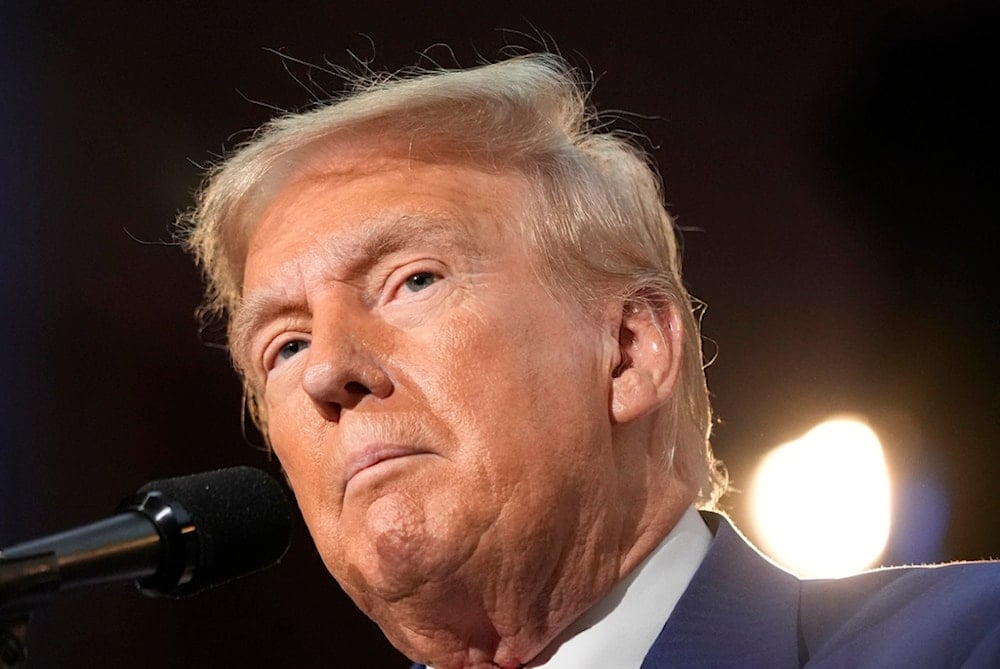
432 275
272 354
284 347
410 280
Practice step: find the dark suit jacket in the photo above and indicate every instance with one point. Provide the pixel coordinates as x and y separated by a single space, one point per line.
742 611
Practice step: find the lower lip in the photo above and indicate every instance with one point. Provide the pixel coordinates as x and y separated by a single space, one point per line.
381 467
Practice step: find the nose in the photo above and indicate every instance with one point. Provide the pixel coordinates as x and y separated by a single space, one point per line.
344 365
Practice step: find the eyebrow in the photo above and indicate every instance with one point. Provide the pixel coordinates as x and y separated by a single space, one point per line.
352 254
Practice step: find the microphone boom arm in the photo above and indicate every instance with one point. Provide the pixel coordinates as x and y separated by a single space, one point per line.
126 546
232 522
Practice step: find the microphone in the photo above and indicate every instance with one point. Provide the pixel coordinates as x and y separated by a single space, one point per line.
175 537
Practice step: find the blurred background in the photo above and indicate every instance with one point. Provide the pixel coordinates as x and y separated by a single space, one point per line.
830 166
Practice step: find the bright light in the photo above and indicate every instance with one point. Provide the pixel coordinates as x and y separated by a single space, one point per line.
821 502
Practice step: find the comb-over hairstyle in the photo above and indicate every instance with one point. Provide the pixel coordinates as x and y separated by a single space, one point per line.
596 220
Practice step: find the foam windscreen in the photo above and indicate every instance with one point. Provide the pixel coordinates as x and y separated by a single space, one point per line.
241 518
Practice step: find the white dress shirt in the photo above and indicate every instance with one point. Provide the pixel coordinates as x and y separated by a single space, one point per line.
619 630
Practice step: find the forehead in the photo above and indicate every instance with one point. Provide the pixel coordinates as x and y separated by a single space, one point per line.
369 204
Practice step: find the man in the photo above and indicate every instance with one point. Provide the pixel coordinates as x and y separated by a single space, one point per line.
459 314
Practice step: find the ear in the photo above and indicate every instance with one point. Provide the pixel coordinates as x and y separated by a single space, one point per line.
649 340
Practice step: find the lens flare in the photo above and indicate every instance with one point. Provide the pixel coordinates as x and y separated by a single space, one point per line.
821 503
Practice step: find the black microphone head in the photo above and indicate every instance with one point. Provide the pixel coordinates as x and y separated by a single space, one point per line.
241 522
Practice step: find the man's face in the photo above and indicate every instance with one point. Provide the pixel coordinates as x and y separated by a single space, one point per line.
442 418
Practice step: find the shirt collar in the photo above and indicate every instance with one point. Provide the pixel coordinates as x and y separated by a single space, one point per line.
619 630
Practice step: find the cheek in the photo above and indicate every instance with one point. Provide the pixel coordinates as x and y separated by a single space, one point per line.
518 386
288 431
542 364
296 439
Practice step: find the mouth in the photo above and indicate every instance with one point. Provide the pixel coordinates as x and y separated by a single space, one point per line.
375 457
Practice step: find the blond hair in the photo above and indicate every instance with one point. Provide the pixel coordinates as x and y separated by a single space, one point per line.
597 221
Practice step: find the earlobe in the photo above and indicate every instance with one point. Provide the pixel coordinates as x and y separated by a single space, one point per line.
649 340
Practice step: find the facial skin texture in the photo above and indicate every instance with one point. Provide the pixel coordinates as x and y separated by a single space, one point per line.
473 471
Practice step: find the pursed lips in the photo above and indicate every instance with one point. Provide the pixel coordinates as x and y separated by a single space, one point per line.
372 455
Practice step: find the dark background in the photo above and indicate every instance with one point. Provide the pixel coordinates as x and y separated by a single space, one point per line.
832 166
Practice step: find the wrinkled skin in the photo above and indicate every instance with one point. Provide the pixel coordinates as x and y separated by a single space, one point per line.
472 469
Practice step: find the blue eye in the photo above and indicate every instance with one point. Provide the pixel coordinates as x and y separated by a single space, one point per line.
420 280
291 348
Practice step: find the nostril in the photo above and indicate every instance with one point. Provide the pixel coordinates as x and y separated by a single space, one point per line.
355 388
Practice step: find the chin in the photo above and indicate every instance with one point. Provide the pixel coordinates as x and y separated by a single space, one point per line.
392 555
407 545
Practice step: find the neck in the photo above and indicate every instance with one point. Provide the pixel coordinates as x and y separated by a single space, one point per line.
508 626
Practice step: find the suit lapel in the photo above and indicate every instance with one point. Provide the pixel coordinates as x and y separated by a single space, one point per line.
740 610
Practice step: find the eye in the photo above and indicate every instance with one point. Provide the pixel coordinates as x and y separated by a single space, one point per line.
288 350
291 348
419 281
413 282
